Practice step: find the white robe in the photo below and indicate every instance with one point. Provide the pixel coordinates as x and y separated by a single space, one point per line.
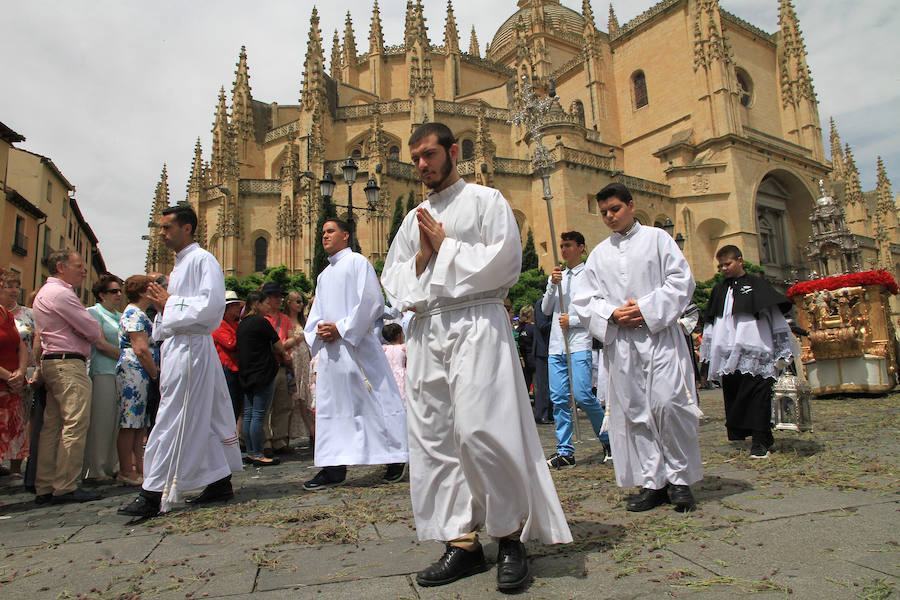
746 343
650 391
360 419
475 458
194 441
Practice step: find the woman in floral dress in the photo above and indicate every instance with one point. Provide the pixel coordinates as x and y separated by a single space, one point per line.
13 364
138 364
303 420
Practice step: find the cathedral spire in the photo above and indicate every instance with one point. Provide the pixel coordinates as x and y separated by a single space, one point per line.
837 155
312 93
159 258
349 43
376 34
853 191
798 84
195 182
409 27
613 25
474 49
421 30
161 196
883 189
241 100
451 33
588 13
336 57
219 138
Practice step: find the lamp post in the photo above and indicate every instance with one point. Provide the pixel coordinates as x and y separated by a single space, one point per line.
668 226
680 239
350 169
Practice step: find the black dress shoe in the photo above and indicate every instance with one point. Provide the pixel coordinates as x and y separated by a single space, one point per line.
43 498
647 499
326 478
217 491
394 473
682 498
77 495
145 505
512 564
456 563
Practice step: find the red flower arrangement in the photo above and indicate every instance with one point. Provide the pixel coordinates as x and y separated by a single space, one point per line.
841 281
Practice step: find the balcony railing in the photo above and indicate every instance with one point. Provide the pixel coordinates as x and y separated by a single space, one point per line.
20 244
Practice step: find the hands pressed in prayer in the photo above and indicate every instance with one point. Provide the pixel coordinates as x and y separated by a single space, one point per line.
328 332
158 296
628 315
431 236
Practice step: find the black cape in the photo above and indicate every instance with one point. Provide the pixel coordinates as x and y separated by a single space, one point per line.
751 293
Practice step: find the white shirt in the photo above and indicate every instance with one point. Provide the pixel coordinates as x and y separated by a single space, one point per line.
579 337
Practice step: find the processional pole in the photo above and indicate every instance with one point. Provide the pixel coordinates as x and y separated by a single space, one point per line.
531 115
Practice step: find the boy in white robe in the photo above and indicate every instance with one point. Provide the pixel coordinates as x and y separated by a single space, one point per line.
360 418
744 336
194 442
475 457
636 285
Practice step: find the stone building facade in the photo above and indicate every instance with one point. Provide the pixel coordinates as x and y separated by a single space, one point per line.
710 121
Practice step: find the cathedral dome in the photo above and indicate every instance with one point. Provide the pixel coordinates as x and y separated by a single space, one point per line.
561 20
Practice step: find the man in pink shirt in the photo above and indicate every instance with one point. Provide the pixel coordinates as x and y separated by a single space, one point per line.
67 332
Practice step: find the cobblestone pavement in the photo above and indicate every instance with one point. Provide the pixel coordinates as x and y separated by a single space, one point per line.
819 519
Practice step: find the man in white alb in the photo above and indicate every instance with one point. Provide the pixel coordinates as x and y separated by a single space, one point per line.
475 457
194 442
635 287
360 419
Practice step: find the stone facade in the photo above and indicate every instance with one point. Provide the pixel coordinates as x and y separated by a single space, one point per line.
710 121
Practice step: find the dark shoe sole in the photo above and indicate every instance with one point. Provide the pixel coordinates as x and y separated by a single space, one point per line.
514 585
321 486
468 573
217 498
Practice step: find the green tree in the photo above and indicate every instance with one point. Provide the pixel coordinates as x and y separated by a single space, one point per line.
410 201
397 220
378 266
301 283
705 288
529 254
320 259
528 289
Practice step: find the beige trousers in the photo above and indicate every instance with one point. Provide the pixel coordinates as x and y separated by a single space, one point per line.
67 417
278 417
101 458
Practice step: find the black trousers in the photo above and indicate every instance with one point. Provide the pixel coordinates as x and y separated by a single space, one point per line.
748 405
543 408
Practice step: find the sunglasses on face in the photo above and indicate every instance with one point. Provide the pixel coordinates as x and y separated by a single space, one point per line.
113 291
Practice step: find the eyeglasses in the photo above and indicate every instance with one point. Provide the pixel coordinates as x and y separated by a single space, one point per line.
113 291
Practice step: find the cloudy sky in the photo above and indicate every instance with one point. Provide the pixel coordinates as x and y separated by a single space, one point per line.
111 90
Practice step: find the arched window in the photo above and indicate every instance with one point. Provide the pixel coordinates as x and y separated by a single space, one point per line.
745 87
394 153
260 254
577 109
639 85
357 153
468 149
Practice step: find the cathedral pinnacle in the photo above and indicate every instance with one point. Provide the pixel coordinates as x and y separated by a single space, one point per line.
837 154
883 188
349 43
195 181
241 100
161 199
474 49
376 35
588 13
613 25
312 93
798 81
852 186
451 34
219 137
336 57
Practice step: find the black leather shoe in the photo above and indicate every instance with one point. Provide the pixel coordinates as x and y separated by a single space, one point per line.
217 491
456 563
682 498
43 498
647 499
142 506
394 473
77 495
512 565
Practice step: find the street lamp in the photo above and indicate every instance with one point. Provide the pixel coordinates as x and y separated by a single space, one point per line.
680 239
349 169
668 226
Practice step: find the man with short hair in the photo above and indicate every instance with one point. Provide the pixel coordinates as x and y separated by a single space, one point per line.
635 287
744 336
566 327
194 442
360 418
67 332
278 416
475 457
